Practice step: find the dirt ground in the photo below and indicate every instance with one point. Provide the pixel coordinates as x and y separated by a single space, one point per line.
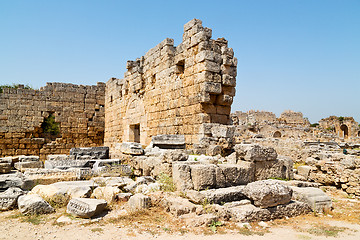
341 223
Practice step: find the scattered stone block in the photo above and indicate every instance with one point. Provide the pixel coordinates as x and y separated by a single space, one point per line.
85 207
33 204
182 176
90 153
22 166
255 153
5 167
8 199
29 158
132 148
193 220
15 180
139 201
123 197
169 141
278 168
314 197
108 193
217 196
304 171
268 193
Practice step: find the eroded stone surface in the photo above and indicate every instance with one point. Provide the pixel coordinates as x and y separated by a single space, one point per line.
85 207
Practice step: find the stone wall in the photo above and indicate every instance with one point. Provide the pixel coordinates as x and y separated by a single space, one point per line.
343 127
78 110
293 118
172 89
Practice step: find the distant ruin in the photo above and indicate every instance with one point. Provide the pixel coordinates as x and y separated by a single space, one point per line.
172 89
51 120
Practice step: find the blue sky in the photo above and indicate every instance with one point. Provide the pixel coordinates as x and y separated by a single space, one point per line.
302 55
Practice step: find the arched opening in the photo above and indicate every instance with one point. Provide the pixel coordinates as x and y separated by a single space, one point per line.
277 134
358 133
345 131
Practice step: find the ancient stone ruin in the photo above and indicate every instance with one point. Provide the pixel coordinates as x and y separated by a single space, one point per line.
164 136
172 90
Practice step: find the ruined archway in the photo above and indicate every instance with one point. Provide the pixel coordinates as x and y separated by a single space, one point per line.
277 134
344 131
135 122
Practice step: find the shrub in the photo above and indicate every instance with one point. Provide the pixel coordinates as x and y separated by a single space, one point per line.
166 183
50 126
13 86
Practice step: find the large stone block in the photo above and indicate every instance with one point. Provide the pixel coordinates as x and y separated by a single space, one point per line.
279 168
131 148
169 141
85 207
5 167
90 153
314 197
217 196
255 153
203 176
268 193
182 176
8 199
139 201
33 204
238 174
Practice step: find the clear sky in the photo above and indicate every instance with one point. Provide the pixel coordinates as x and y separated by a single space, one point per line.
302 55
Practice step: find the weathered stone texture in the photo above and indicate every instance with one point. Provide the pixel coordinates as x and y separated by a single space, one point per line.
172 90
78 109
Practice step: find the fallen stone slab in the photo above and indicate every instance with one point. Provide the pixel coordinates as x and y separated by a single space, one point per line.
8 199
268 193
15 180
314 197
132 148
174 204
108 193
85 207
217 196
193 220
29 158
139 181
251 213
255 153
168 141
119 182
22 166
139 201
5 167
90 152
33 204
72 189
66 163
48 176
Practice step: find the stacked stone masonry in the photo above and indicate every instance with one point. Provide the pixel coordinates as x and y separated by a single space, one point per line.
78 109
172 90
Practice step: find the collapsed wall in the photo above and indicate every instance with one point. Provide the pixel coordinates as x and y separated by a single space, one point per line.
172 90
51 120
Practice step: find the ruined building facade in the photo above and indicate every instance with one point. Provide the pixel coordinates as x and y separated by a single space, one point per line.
51 120
343 127
172 89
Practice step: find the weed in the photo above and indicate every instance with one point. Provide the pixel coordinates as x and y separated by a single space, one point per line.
298 164
14 86
33 219
97 230
58 200
325 230
214 225
50 126
248 232
303 237
166 183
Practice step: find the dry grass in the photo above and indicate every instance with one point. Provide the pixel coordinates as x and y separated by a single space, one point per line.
154 221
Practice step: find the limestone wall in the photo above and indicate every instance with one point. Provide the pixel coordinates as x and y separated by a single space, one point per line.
293 118
172 89
343 127
78 109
